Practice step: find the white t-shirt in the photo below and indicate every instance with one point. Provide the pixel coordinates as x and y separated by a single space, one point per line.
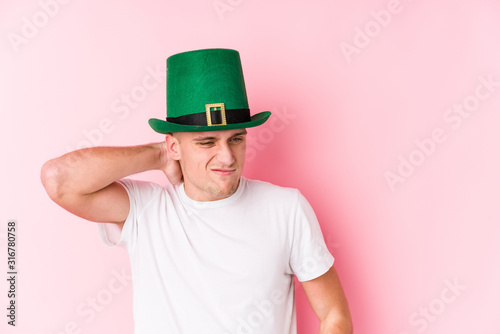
220 267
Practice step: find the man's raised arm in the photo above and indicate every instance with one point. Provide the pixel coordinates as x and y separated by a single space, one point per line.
84 181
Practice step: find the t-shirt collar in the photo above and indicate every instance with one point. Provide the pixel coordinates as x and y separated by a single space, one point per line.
211 204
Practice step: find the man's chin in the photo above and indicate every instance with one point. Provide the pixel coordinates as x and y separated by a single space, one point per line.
226 189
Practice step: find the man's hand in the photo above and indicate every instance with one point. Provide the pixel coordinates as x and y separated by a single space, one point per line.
170 167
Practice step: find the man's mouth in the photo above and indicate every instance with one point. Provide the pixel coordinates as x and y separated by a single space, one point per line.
223 171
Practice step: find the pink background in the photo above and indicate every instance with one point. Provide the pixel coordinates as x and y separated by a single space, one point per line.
343 120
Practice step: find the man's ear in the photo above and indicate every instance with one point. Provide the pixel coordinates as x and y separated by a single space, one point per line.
173 146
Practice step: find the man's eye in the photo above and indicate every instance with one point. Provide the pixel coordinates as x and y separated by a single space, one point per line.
206 143
237 139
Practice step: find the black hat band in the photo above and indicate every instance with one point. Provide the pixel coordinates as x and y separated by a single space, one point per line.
213 117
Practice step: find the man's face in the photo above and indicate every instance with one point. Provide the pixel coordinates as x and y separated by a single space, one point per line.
211 162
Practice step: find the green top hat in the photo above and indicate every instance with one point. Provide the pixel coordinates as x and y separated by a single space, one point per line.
206 92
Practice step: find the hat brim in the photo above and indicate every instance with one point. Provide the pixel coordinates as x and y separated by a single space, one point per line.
165 127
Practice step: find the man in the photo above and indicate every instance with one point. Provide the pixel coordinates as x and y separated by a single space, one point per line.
211 252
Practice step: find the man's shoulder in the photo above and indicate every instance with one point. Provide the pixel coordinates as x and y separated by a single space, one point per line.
141 186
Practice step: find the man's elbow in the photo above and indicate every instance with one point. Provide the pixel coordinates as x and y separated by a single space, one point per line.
50 176
337 324
344 326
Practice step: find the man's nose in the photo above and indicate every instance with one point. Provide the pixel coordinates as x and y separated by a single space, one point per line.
225 155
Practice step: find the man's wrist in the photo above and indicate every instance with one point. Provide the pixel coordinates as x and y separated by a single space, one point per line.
156 155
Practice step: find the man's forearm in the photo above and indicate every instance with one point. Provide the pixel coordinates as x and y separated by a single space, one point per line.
88 170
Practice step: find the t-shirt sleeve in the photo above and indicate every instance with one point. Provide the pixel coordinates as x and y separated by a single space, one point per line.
140 194
309 256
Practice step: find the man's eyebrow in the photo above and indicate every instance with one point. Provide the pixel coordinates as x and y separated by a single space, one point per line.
204 138
244 132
